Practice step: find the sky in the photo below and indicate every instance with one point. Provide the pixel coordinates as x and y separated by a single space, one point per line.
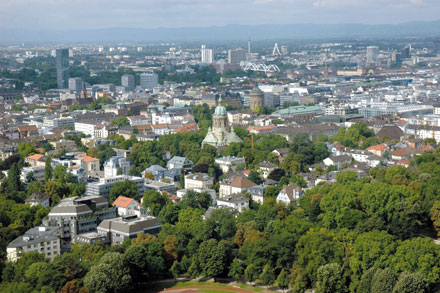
90 14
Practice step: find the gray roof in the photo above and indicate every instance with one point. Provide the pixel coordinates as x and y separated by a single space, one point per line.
130 226
155 168
233 198
70 206
35 235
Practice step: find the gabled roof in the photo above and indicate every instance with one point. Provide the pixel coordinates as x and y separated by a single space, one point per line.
242 182
35 157
392 132
379 147
88 159
123 202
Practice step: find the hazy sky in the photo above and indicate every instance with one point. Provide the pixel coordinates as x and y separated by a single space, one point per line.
62 14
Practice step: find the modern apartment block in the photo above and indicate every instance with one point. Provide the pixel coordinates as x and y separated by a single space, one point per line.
42 239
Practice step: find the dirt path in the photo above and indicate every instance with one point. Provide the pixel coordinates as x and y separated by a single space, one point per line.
194 289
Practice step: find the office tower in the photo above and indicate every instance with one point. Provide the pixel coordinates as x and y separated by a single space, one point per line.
236 56
127 81
436 48
396 59
62 63
256 98
149 80
406 52
76 84
372 54
284 50
207 55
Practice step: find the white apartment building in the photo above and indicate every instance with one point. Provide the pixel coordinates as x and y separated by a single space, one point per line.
42 239
198 181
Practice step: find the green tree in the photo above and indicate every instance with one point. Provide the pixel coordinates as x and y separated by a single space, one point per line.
410 282
124 188
26 149
13 182
330 279
196 200
317 248
254 176
155 201
211 258
251 273
110 275
48 169
236 270
383 281
120 121
365 282
435 216
267 276
283 280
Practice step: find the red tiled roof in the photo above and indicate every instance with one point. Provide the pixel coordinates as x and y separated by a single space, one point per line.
88 159
379 147
122 202
35 157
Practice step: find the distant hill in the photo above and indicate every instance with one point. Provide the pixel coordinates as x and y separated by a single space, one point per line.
228 32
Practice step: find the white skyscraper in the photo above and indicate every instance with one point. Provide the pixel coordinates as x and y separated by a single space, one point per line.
149 80
372 54
207 55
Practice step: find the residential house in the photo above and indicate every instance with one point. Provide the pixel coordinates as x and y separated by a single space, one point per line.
125 205
401 154
27 130
237 201
230 163
157 171
36 160
290 193
89 164
38 198
378 150
117 166
37 173
198 181
338 161
266 168
281 153
235 184
179 163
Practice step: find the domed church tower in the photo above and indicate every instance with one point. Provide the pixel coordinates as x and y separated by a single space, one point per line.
220 135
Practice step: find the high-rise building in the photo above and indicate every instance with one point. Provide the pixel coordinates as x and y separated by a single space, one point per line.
372 52
284 51
436 48
63 72
207 55
256 98
236 56
76 84
127 81
149 80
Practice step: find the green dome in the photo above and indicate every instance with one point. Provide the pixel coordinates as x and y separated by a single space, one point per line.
220 110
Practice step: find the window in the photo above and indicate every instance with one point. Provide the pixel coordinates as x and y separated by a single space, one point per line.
48 253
